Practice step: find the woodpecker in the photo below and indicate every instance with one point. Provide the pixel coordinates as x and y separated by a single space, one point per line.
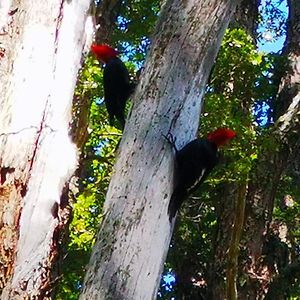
193 164
116 82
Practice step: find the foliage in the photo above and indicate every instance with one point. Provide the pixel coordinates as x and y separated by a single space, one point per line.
272 20
136 23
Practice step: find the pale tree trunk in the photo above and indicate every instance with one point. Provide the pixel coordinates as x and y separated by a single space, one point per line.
42 46
133 240
270 167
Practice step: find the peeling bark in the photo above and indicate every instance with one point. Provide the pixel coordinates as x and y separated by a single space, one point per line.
133 241
38 74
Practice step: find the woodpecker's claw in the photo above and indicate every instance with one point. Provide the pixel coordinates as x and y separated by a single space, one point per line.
171 139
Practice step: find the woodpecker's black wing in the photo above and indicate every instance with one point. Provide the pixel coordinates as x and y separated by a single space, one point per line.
194 162
117 89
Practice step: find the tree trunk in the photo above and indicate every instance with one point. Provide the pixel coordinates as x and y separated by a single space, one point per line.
106 16
42 46
133 241
223 268
246 17
270 168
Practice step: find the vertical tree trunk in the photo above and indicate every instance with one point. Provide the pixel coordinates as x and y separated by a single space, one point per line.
246 16
43 43
234 248
134 237
270 167
106 15
223 268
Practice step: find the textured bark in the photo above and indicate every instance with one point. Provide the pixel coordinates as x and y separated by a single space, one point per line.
271 166
233 251
106 16
132 243
42 43
246 16
287 102
260 203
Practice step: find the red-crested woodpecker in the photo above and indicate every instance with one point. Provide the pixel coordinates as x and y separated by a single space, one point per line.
194 162
116 82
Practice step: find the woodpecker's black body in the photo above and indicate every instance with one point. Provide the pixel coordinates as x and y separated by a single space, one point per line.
193 164
117 89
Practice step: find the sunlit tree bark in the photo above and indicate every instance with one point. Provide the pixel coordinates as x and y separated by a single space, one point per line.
41 48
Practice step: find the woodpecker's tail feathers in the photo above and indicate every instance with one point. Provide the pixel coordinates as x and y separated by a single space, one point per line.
132 86
175 202
172 209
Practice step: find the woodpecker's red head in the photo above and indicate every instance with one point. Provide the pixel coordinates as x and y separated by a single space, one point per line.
221 136
104 53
